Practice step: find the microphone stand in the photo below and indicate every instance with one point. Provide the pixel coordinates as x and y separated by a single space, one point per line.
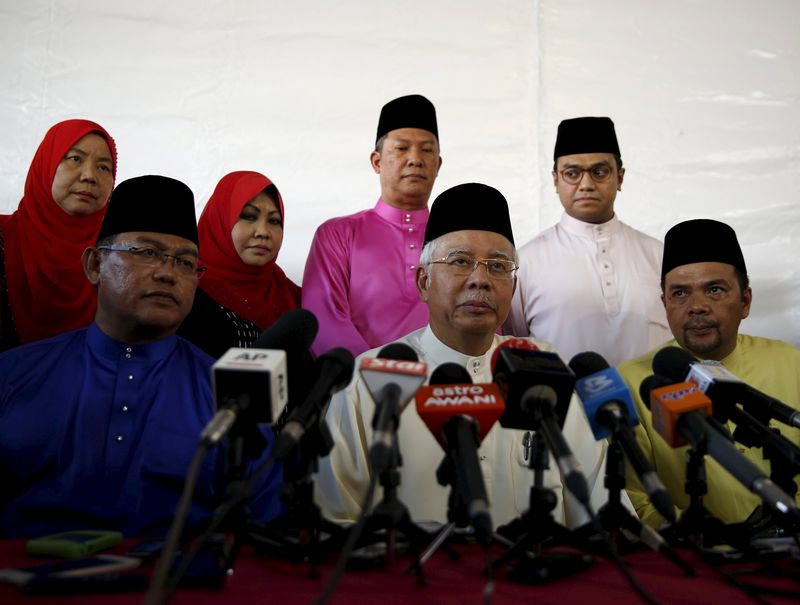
457 514
784 457
696 523
244 441
616 519
391 516
299 535
540 528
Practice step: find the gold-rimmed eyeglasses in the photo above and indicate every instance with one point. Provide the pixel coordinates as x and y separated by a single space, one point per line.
459 263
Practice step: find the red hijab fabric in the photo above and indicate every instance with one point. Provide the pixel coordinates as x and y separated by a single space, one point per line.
47 289
260 294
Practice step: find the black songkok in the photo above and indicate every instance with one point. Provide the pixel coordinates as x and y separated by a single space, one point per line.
586 135
152 203
701 241
471 206
411 111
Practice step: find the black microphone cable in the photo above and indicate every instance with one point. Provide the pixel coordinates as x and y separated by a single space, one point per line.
158 591
347 549
240 492
339 367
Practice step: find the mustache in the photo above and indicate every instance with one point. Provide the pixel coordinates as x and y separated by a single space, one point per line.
700 323
477 297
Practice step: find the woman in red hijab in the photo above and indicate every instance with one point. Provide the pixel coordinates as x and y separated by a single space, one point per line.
244 290
43 291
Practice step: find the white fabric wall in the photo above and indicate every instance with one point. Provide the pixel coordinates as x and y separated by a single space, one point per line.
705 95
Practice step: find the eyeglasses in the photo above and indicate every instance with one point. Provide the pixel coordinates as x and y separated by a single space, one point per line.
459 263
145 255
599 173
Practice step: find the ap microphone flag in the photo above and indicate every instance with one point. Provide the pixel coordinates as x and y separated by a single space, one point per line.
260 373
250 386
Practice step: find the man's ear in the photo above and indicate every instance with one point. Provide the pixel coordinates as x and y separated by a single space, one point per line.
375 161
422 283
747 300
91 265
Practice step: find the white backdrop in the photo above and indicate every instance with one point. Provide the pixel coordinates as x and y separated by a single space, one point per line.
705 95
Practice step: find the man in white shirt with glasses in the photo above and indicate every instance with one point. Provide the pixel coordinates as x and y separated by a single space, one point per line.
590 282
466 277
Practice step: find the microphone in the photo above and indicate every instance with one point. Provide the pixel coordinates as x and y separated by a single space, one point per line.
334 372
515 367
242 377
716 381
537 388
247 383
609 409
293 332
724 389
460 414
680 414
391 378
523 344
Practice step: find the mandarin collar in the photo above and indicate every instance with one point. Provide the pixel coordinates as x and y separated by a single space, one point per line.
438 353
590 230
400 216
105 346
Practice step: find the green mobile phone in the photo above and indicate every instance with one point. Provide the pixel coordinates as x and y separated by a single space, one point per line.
73 544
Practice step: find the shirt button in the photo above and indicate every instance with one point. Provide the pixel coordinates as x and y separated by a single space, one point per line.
483 457
412 246
411 229
124 408
119 438
127 355
130 376
412 267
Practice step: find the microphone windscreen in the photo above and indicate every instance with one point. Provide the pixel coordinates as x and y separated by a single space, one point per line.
512 343
342 365
399 351
673 362
587 363
670 403
451 393
519 369
450 373
295 330
654 381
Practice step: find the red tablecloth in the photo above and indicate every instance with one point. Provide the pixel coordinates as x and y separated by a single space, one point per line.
261 579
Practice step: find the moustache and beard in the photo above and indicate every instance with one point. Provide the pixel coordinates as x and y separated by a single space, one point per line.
702 343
